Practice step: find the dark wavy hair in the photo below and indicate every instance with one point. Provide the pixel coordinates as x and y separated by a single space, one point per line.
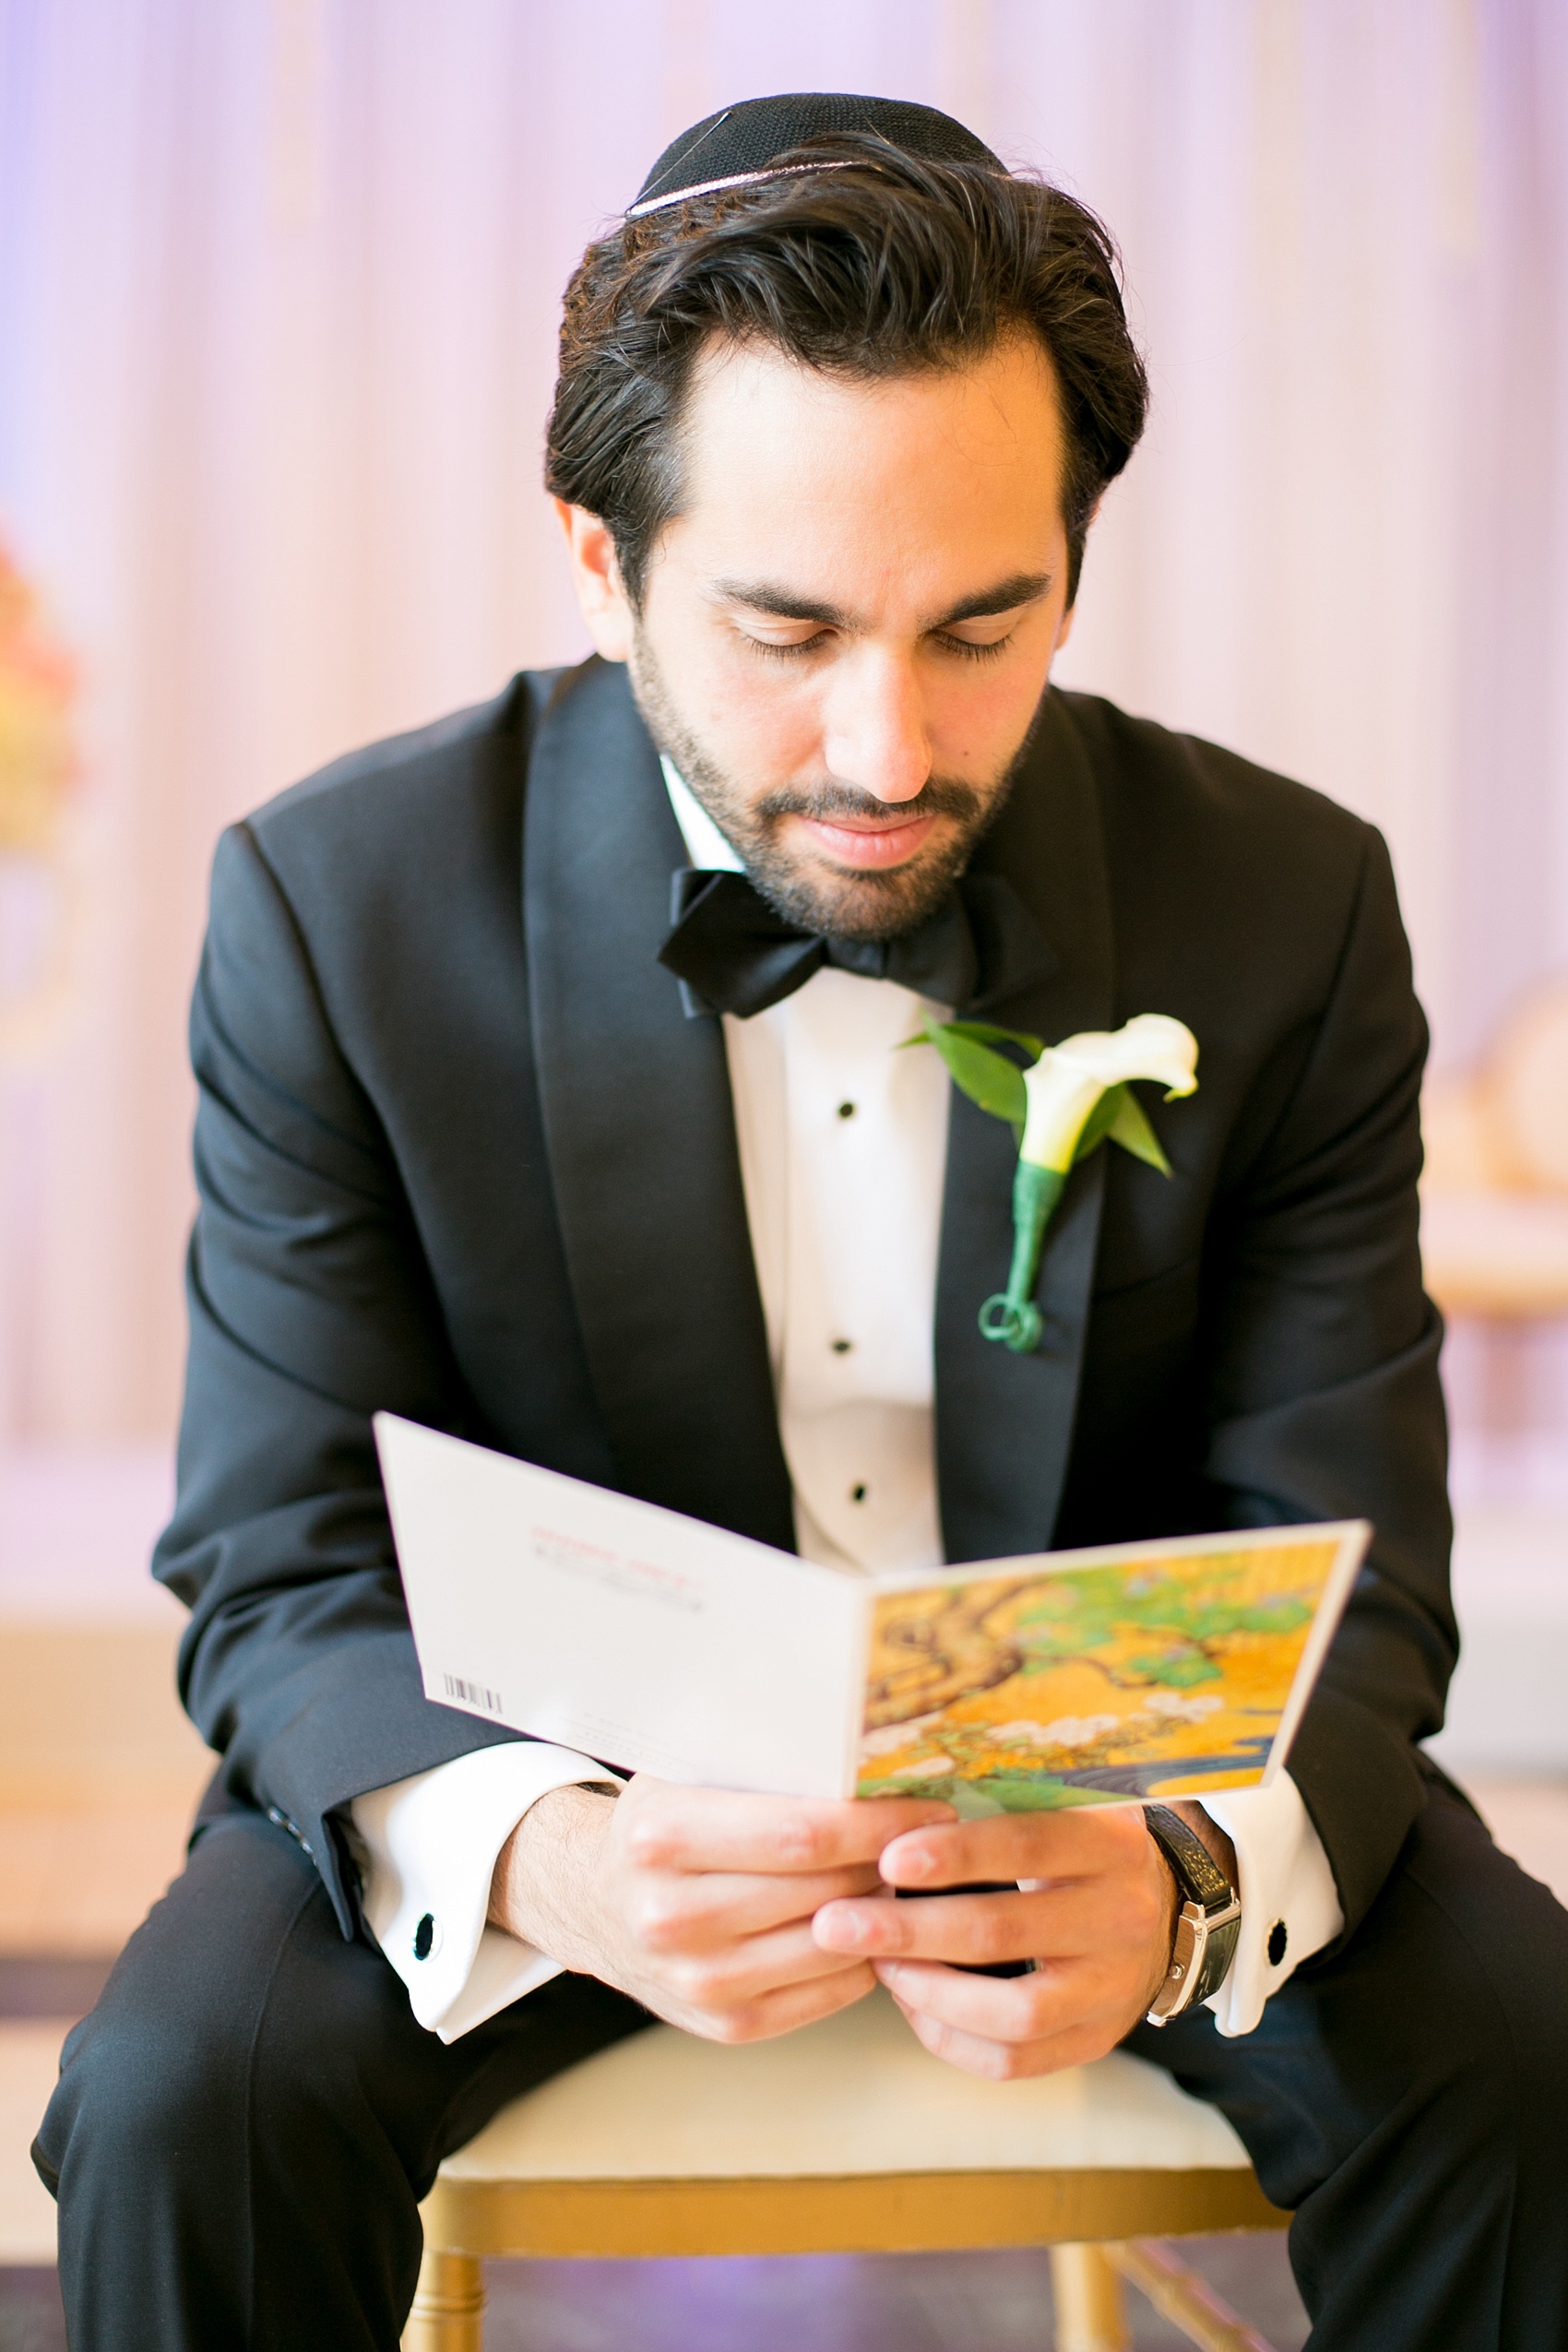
885 267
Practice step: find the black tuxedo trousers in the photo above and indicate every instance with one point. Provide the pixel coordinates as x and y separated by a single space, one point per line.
245 2124
462 1156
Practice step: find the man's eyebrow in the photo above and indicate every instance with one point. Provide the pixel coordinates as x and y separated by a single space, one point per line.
1006 597
762 596
783 604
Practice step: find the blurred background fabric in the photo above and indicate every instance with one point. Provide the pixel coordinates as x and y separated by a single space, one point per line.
279 290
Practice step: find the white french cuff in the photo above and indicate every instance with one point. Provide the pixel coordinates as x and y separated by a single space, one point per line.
428 1848
1289 1903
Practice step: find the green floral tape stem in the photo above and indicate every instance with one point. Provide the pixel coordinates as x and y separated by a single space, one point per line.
1011 1315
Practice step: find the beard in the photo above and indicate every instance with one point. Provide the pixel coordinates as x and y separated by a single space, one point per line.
874 906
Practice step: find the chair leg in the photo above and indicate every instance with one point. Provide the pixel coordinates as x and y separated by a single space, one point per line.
448 2313
1091 2314
1184 2298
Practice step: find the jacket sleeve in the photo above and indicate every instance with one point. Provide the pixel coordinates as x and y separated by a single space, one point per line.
1324 1400
310 1309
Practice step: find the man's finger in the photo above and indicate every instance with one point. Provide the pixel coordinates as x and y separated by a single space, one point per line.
1002 2062
718 1829
786 2007
686 1910
969 1930
1074 1920
999 2008
738 1974
1072 1844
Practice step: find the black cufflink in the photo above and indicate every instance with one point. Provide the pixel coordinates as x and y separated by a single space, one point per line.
1278 1938
424 1938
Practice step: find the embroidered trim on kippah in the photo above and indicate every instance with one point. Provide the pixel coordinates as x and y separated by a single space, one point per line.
737 180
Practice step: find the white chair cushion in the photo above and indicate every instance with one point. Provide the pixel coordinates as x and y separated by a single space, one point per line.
854 2095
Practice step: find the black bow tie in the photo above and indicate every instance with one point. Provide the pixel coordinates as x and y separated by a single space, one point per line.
733 953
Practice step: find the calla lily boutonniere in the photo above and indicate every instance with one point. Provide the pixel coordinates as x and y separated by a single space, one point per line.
1067 1100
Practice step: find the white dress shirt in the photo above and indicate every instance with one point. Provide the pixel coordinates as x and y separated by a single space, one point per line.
843 1143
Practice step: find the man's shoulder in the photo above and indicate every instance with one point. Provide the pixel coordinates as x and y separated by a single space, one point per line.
1155 780
435 767
1234 891
393 875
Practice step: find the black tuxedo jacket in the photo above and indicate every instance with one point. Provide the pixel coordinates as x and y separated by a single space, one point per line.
461 1155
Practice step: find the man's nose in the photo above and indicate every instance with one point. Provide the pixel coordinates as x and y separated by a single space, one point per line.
876 732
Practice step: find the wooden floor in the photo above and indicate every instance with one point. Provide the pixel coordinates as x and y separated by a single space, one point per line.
99 1772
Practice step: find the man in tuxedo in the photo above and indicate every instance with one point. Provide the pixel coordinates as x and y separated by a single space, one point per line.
488 1139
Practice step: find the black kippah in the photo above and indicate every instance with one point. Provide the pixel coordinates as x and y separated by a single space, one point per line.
738 144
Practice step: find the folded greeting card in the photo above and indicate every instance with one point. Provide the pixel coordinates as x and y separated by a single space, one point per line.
659 1644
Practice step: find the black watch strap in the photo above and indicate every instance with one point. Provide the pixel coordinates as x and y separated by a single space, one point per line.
1208 1923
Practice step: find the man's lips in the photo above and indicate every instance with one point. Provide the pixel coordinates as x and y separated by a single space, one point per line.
853 841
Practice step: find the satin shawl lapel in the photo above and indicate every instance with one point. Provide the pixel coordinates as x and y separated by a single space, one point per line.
640 1130
1005 1422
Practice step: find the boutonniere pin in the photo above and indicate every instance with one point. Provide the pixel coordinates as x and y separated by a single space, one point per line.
1061 1104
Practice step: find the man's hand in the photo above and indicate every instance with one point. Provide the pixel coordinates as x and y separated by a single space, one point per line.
698 1902
1096 1913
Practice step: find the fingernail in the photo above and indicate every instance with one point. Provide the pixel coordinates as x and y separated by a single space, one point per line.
848 1927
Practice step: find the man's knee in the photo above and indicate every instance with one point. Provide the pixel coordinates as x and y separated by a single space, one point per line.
164 2074
1456 1972
1508 1936
158 2063
135 2091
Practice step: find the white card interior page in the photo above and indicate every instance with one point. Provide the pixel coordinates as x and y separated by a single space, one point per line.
710 1659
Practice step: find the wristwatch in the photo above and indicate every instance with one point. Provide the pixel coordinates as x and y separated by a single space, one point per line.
1208 1924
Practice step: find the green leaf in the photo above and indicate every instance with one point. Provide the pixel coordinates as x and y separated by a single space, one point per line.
979 1033
987 1078
1131 1129
1100 1122
986 1033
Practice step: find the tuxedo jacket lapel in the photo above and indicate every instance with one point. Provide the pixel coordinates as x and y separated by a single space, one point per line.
1005 1422
639 1128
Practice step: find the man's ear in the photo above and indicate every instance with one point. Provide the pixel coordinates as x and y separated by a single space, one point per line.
596 576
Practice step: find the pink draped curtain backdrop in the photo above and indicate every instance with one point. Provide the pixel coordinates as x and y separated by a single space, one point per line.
277 299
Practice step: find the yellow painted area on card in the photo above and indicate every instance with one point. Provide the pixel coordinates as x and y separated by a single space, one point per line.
1184 1659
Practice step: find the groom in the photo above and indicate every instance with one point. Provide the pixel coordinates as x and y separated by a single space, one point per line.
550 1093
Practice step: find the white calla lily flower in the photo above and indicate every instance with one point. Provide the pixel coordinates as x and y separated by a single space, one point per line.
1062 1087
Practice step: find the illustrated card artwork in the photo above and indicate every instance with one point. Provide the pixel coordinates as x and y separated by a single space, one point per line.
1165 1674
